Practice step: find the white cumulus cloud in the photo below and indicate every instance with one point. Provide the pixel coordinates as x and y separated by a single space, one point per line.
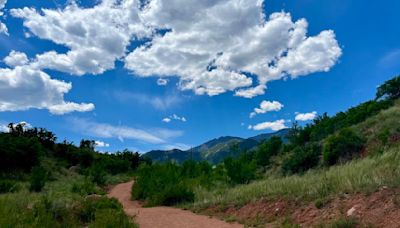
96 37
305 116
16 58
211 46
23 88
166 120
267 106
274 126
3 27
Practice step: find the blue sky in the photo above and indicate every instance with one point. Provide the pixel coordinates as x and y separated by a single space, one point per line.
119 102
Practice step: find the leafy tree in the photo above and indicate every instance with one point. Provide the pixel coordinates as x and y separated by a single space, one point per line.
87 144
19 153
302 158
241 170
389 89
269 148
342 147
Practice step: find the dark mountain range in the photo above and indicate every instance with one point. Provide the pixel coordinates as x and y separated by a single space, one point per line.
215 150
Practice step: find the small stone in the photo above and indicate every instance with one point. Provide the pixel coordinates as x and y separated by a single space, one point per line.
351 211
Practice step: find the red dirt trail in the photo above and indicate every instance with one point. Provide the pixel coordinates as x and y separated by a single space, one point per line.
161 217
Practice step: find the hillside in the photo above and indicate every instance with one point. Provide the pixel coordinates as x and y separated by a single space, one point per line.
338 171
370 184
215 150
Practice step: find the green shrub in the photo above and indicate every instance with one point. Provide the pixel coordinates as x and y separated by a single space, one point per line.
38 179
162 185
90 205
85 187
268 149
302 159
342 147
97 174
241 170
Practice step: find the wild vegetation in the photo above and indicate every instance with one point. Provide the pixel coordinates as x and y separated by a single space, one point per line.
356 150
48 184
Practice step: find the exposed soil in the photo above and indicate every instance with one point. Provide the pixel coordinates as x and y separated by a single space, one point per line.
161 217
378 209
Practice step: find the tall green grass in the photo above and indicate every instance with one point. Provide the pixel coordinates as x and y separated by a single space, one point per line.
364 175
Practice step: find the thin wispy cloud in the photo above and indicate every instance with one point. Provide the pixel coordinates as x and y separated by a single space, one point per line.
157 102
105 130
390 59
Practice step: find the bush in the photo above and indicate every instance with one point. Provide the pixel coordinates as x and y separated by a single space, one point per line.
162 185
241 170
97 174
342 147
90 205
268 149
302 159
86 187
38 179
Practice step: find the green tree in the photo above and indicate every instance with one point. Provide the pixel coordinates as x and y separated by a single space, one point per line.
342 147
389 89
302 158
241 170
269 148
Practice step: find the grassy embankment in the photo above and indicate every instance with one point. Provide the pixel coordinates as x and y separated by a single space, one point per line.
380 167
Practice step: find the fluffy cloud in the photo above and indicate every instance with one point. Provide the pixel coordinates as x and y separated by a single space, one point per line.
101 144
267 106
275 126
305 116
103 130
174 117
162 82
24 87
213 46
166 120
3 27
96 37
16 58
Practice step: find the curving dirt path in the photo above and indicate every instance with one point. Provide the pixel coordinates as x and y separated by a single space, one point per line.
161 217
